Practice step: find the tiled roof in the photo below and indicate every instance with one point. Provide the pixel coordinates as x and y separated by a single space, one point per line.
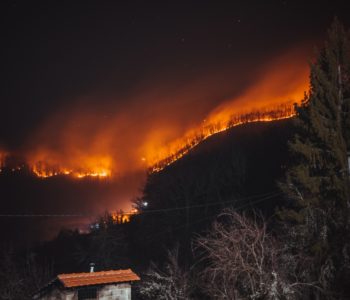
104 277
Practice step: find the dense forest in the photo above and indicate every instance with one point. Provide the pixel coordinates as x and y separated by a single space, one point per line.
260 211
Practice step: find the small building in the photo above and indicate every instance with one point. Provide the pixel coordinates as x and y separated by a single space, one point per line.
104 285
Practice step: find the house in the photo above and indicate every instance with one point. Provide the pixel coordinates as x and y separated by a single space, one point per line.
104 285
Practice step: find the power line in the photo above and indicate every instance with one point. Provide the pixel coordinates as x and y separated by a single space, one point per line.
210 203
210 217
42 215
23 215
150 237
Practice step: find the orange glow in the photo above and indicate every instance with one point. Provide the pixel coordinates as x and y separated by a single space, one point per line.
99 167
157 126
123 217
3 155
181 147
272 98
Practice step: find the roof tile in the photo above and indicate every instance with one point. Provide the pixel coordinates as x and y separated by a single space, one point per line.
93 278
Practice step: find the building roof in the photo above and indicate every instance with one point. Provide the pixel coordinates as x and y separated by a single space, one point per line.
93 278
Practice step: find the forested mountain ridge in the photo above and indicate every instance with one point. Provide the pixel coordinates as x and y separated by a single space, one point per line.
236 168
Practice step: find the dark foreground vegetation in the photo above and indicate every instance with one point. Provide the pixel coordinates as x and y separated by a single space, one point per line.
257 212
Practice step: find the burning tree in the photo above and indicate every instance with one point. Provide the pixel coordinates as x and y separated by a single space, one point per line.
317 185
263 114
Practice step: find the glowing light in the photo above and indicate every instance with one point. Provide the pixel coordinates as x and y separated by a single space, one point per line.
3 155
272 98
44 166
192 139
130 142
49 173
123 217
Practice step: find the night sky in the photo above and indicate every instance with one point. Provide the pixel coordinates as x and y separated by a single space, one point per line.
174 61
57 51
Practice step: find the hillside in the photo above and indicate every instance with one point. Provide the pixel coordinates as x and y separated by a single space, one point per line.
253 154
237 167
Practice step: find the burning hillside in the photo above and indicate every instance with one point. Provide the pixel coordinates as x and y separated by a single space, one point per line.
180 148
90 166
149 133
271 99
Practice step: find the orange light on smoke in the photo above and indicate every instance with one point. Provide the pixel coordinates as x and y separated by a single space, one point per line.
270 99
142 136
99 167
181 147
3 155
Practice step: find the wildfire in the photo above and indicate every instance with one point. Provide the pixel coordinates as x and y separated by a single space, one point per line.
99 167
193 138
147 133
271 99
123 217
175 150
76 174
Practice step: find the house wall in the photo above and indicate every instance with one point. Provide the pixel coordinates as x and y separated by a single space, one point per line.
107 292
115 292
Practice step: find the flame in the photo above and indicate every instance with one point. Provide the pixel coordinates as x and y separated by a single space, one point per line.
182 146
271 99
123 217
147 133
91 166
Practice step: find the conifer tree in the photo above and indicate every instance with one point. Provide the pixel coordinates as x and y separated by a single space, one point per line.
317 182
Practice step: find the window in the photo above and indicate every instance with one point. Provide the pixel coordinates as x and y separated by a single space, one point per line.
87 293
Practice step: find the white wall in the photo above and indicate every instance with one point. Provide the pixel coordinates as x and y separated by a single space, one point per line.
115 292
120 291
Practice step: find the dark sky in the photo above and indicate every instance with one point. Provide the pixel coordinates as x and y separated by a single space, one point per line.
55 51
131 61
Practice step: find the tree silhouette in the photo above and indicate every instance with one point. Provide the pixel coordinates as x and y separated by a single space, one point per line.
317 185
